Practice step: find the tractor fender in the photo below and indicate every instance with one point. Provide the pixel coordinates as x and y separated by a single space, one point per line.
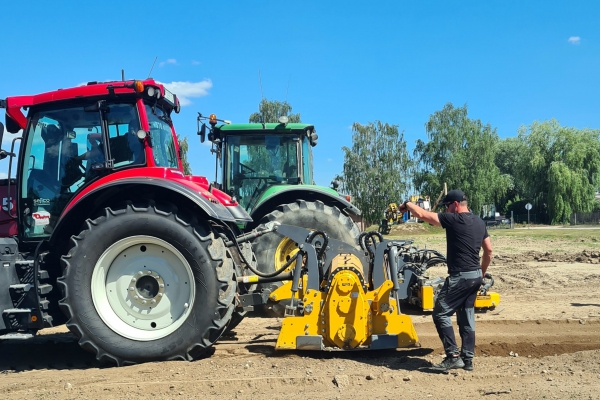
90 203
290 194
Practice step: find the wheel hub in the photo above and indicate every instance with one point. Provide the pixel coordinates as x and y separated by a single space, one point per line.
143 288
147 288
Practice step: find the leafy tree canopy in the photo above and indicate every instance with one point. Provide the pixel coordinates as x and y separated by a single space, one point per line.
560 168
375 168
460 152
271 110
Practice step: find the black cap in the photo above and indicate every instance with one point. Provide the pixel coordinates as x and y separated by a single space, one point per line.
452 196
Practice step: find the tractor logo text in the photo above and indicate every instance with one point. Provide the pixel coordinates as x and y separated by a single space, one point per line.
41 218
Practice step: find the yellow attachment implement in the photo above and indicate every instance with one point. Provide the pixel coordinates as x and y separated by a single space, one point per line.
489 300
347 315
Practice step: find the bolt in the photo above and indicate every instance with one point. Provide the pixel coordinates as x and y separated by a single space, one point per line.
306 326
131 288
143 301
160 295
162 285
323 330
386 331
186 305
133 279
136 297
153 301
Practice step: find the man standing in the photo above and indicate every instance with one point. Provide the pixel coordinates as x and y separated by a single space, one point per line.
466 234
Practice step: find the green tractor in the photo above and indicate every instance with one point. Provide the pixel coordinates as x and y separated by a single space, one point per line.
268 168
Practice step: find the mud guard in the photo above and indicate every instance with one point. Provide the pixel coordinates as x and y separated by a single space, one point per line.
74 212
293 193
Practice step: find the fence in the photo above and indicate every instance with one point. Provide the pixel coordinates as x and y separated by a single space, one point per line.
592 218
522 218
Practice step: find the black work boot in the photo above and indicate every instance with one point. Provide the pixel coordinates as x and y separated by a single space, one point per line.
450 362
468 364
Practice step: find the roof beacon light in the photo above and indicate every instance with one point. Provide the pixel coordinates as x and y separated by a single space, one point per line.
212 119
138 86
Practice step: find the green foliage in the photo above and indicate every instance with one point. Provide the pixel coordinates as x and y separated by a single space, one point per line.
184 147
271 110
376 168
560 168
460 152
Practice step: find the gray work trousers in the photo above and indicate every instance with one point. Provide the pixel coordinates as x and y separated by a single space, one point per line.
458 295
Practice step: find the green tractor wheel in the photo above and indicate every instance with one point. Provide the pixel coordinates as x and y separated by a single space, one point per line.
272 251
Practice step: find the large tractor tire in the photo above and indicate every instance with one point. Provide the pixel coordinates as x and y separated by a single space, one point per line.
272 250
147 284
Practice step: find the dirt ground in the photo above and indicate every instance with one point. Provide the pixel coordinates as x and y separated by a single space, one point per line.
541 342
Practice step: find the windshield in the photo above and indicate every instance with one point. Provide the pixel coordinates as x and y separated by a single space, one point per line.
257 162
161 134
65 150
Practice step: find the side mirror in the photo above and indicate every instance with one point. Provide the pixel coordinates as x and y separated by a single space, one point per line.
202 133
1 132
313 138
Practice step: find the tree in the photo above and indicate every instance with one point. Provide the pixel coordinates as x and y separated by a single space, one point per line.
271 110
560 168
508 157
376 168
184 147
461 153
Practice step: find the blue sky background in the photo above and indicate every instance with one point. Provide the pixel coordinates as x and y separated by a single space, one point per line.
336 62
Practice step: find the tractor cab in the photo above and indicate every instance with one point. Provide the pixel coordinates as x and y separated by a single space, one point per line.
257 157
97 129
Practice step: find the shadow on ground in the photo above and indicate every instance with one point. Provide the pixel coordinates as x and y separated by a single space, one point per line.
398 359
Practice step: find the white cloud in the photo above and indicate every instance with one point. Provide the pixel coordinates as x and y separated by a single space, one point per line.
194 62
187 90
574 40
169 61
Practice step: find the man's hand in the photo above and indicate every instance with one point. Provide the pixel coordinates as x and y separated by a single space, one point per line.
403 207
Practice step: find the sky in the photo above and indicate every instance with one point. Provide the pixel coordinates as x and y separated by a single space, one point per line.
335 62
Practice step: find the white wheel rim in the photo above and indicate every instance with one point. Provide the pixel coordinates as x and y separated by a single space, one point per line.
143 288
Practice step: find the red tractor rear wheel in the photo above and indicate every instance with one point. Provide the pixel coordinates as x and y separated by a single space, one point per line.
145 284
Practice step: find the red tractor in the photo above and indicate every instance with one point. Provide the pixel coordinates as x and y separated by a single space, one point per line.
100 228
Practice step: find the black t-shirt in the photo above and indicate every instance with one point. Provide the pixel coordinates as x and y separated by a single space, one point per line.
464 234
